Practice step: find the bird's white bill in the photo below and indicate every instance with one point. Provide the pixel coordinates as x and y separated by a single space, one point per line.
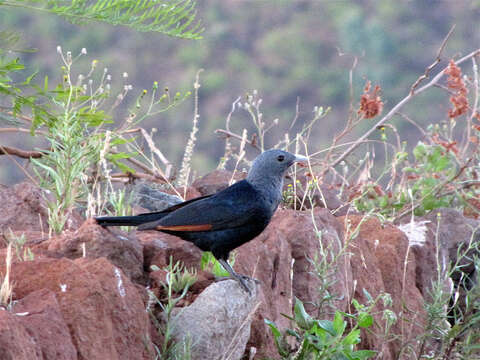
301 159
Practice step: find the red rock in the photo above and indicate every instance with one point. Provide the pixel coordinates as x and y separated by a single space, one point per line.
382 262
122 250
159 247
22 208
15 342
290 236
124 307
41 316
216 181
103 310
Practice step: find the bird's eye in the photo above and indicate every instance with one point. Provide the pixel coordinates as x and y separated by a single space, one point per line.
281 157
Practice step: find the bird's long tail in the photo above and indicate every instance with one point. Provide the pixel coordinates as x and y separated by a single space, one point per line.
128 220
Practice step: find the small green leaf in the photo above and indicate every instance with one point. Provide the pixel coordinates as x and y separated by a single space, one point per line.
362 354
352 338
29 79
329 326
419 151
367 295
123 167
338 323
293 333
365 320
383 201
273 328
205 260
302 318
357 305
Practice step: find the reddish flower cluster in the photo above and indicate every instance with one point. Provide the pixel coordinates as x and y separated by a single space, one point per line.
455 82
371 103
448 146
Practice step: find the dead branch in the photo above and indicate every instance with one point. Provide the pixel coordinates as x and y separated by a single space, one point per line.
16 116
426 74
413 123
229 134
138 175
23 130
25 154
156 151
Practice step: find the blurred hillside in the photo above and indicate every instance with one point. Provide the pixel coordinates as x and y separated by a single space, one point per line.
284 49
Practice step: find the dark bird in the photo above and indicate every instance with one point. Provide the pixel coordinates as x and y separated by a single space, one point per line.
223 221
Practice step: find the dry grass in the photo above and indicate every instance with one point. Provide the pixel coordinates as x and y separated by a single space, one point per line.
7 288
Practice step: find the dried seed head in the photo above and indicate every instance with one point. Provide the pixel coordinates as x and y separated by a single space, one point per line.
371 103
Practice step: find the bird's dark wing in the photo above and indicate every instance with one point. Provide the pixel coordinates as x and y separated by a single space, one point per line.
230 208
143 218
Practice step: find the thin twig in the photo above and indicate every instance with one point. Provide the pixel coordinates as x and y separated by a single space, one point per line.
138 164
156 151
443 87
229 134
23 130
412 122
17 116
297 113
351 110
4 150
139 175
475 104
435 63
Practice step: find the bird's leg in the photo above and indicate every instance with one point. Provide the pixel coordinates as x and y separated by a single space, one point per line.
233 274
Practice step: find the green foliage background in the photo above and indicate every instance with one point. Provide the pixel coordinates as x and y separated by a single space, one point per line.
285 49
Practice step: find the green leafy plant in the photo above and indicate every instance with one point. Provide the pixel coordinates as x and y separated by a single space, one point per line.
174 18
178 281
322 339
431 170
23 252
209 263
453 319
178 276
73 118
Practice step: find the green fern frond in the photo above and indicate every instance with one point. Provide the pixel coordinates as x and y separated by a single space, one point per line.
170 17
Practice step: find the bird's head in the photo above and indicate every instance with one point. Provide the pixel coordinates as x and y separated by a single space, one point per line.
272 164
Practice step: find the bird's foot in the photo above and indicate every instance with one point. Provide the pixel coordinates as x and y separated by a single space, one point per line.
249 278
241 279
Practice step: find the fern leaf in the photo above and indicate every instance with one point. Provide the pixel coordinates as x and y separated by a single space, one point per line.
171 17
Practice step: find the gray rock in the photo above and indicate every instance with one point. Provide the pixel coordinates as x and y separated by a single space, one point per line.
217 323
153 199
451 231
455 233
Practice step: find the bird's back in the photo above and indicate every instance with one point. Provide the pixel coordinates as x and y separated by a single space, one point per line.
235 215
